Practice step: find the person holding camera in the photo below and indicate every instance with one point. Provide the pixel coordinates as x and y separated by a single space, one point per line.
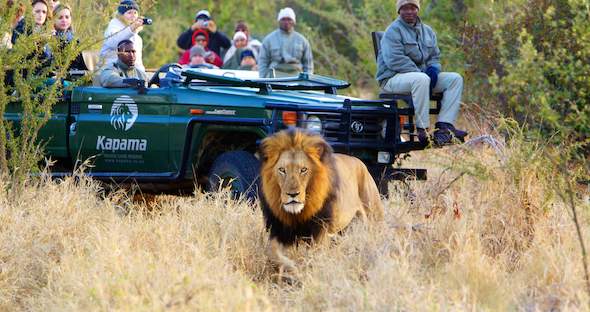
218 41
126 25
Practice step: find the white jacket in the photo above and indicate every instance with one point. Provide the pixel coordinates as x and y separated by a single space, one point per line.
253 45
116 32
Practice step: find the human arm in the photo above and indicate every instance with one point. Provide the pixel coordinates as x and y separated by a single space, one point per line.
185 58
213 58
393 53
185 40
264 60
114 34
434 57
109 78
307 58
18 30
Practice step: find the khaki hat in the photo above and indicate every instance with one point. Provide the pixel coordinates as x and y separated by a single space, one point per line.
401 3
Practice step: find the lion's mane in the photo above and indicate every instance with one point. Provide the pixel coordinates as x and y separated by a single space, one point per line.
317 212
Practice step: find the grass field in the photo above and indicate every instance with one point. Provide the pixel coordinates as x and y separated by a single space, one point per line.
484 233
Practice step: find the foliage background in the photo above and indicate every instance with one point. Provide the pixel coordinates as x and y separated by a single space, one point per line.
524 59
489 230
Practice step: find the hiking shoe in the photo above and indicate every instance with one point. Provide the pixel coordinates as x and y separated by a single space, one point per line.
442 137
459 134
423 136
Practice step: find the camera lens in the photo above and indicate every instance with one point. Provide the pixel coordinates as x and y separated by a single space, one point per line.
147 21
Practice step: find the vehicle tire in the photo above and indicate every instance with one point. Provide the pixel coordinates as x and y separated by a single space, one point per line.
237 169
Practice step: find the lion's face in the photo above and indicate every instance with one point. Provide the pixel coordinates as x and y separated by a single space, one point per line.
295 174
293 171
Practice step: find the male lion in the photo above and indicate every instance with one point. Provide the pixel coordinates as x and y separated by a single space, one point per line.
309 191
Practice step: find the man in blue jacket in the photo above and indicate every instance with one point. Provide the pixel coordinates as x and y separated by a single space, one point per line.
409 63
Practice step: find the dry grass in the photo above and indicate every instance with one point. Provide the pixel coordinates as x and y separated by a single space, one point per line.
495 239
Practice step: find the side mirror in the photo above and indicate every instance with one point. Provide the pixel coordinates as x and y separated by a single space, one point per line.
135 83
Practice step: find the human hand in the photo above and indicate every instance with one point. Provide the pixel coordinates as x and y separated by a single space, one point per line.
136 25
432 72
211 26
200 24
196 25
210 58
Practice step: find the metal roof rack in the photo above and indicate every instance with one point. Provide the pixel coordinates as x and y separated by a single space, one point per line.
304 81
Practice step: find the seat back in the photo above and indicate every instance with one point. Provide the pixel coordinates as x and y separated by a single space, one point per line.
377 35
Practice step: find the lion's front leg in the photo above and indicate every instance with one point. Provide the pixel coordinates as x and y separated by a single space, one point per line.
276 256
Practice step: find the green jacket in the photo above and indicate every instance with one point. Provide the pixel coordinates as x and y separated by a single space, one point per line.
406 48
112 76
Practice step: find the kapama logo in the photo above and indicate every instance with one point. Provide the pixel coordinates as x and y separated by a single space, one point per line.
123 113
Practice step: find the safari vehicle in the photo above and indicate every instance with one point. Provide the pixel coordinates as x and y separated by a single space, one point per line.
195 126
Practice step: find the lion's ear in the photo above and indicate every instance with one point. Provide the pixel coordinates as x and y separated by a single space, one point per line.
324 150
263 149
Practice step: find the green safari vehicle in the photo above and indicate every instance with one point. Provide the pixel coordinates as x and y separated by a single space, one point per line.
196 126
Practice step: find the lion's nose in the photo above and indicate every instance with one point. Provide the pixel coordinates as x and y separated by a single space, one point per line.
293 194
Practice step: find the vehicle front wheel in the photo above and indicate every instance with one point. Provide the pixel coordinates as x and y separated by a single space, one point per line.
238 170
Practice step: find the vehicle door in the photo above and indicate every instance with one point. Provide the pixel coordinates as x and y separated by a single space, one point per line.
121 130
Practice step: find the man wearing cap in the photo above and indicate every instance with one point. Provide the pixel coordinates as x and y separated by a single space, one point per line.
218 41
113 74
409 63
285 52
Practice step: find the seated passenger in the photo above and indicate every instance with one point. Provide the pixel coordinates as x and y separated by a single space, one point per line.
233 56
63 31
201 38
5 40
126 25
247 60
113 74
198 58
238 42
218 41
409 63
253 43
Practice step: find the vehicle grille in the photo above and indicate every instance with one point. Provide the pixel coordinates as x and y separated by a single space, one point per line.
362 128
75 108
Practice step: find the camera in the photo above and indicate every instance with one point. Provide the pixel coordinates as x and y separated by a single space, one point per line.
147 21
206 23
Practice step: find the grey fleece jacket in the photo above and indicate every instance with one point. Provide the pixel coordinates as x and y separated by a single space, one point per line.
281 48
406 48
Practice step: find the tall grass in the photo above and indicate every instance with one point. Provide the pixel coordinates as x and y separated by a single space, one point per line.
485 232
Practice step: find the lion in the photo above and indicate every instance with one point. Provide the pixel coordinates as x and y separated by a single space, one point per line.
308 191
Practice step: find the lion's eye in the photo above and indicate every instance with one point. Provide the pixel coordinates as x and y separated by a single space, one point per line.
282 170
303 170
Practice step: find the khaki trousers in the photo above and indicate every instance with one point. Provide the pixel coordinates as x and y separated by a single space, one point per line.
418 85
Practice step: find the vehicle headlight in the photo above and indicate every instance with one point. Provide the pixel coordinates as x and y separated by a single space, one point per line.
313 124
383 128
